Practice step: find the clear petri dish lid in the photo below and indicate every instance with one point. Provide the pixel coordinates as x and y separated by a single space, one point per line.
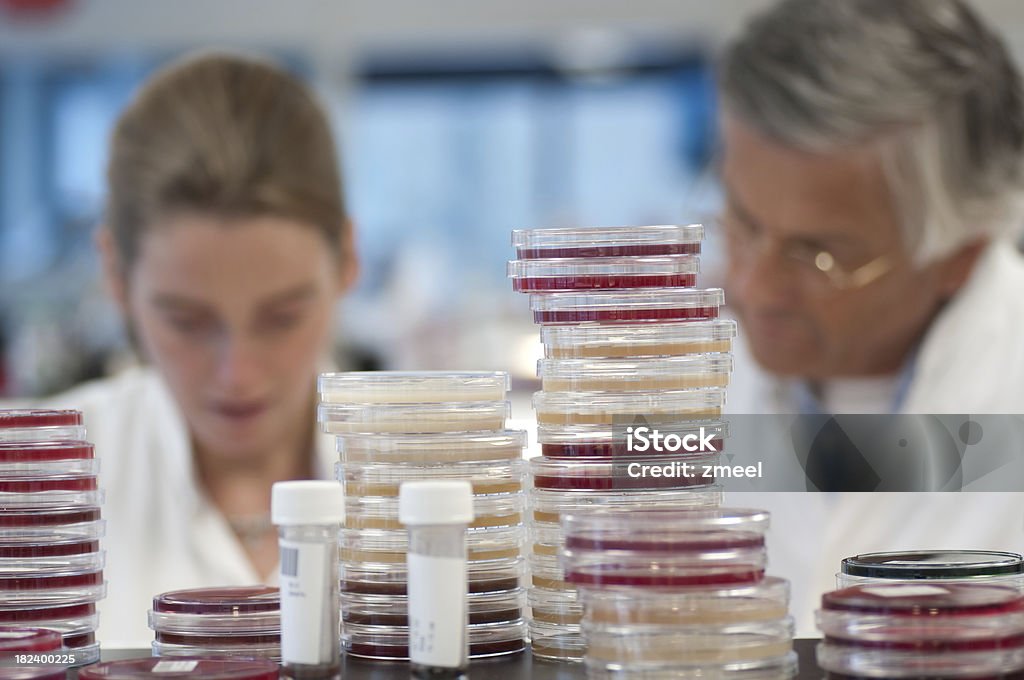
666 530
160 668
26 453
626 408
44 558
766 600
669 373
373 540
383 479
58 499
49 433
220 601
850 661
51 540
644 339
420 418
776 668
381 512
82 467
934 564
640 304
50 569
623 241
26 418
392 610
926 600
431 448
621 473
548 505
388 578
28 640
410 387
604 273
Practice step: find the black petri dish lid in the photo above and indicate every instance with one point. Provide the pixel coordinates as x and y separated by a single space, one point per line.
934 564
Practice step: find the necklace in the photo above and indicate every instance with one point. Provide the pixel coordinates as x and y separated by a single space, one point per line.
251 529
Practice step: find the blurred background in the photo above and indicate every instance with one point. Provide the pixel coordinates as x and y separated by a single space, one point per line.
459 121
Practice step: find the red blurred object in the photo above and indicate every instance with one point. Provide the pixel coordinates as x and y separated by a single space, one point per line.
34 9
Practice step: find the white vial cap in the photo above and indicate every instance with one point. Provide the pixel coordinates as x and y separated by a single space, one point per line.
435 502
307 502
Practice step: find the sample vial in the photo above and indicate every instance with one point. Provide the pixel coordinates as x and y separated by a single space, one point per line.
308 515
437 514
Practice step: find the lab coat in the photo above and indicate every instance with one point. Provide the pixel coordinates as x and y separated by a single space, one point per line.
162 532
971 361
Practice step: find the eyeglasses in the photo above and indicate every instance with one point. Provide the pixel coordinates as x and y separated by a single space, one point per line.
817 268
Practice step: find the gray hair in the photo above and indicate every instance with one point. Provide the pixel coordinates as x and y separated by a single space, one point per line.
926 79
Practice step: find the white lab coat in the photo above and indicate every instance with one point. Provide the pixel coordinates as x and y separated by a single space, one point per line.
971 361
162 533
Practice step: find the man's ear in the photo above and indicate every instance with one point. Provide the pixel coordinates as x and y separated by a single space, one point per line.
956 268
115 275
348 262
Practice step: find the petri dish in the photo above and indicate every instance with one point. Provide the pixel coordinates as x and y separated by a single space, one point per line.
408 387
623 340
383 479
627 408
337 418
217 611
431 448
643 375
622 241
628 473
605 273
640 304
604 440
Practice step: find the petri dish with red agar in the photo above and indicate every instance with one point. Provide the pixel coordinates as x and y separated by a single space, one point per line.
641 304
596 242
604 441
606 273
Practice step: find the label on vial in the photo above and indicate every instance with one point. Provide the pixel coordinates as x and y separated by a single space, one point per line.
904 590
437 610
302 597
174 667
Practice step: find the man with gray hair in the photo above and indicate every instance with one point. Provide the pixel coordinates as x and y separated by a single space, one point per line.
873 171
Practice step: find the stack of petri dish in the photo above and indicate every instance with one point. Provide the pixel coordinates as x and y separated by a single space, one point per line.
242 621
51 564
922 630
678 593
629 342
392 427
933 566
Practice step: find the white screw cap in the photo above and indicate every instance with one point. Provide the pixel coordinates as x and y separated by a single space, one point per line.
307 502
435 502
